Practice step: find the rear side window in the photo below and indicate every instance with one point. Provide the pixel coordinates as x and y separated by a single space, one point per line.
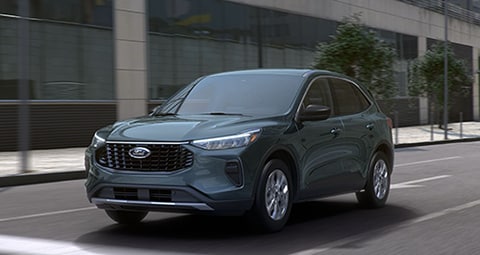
347 97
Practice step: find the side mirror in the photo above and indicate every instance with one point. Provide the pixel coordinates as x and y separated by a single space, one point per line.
315 112
153 110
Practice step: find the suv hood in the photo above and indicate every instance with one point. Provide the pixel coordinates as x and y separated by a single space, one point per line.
187 128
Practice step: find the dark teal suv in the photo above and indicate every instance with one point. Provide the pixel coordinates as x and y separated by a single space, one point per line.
245 143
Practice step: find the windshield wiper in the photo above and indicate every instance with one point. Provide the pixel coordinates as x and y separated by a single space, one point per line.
164 114
223 113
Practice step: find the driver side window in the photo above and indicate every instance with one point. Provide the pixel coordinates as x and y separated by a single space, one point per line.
318 94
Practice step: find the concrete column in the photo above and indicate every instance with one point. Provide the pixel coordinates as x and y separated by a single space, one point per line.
130 58
422 45
423 102
475 90
423 110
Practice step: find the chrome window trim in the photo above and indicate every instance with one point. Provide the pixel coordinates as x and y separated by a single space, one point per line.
371 103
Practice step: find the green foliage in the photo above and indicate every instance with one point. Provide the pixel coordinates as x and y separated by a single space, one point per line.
357 52
426 76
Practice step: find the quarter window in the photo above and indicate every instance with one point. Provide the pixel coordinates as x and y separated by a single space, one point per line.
348 99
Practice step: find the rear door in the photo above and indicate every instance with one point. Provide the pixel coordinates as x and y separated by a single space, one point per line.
354 110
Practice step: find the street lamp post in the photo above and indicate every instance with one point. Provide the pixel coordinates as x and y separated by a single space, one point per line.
445 71
23 84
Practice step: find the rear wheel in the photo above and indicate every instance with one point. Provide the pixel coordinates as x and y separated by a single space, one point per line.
273 202
377 188
126 217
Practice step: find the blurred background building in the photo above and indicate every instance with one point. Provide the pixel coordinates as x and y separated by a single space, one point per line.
91 62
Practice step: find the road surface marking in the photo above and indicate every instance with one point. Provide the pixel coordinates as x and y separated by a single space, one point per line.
31 246
311 251
47 214
411 184
445 212
36 246
408 223
427 161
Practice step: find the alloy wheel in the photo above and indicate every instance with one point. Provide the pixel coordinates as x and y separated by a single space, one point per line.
276 195
380 179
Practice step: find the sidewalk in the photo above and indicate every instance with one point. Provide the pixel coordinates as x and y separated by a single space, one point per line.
410 136
44 166
68 163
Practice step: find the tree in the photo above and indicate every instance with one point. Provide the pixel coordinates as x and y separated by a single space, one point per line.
426 76
357 52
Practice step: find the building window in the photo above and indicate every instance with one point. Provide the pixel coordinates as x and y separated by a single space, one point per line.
70 53
93 12
191 38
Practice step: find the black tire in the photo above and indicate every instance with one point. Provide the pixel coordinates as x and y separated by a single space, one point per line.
377 189
126 217
273 218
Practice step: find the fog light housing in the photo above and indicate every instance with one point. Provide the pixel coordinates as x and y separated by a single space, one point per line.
101 156
233 170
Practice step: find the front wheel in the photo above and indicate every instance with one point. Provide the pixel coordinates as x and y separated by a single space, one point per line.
377 188
273 199
126 217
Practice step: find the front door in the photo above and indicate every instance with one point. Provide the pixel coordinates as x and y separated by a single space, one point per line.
321 162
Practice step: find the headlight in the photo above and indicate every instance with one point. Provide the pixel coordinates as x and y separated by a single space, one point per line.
97 141
228 142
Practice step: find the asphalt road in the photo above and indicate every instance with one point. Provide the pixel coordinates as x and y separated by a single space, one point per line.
433 209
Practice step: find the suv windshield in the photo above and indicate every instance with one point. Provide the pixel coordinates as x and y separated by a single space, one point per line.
252 94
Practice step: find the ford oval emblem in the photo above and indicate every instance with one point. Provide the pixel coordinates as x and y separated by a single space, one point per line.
139 152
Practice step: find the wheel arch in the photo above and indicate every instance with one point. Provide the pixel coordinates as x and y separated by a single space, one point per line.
388 151
284 154
367 196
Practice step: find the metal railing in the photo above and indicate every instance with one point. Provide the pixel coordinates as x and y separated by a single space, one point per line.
431 132
454 11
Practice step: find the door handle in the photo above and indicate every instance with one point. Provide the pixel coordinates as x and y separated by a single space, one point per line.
335 131
370 126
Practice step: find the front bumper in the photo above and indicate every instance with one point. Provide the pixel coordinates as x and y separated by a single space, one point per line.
106 203
204 188
163 198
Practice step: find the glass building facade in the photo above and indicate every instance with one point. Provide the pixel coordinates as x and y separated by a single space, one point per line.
71 45
74 52
70 50
190 38
69 76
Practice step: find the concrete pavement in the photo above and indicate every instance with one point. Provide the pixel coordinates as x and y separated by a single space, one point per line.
44 166
67 163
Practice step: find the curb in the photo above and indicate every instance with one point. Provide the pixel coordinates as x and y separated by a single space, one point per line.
26 179
463 140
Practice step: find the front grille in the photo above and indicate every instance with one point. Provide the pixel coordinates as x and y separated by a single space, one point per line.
125 193
163 157
154 195
159 195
